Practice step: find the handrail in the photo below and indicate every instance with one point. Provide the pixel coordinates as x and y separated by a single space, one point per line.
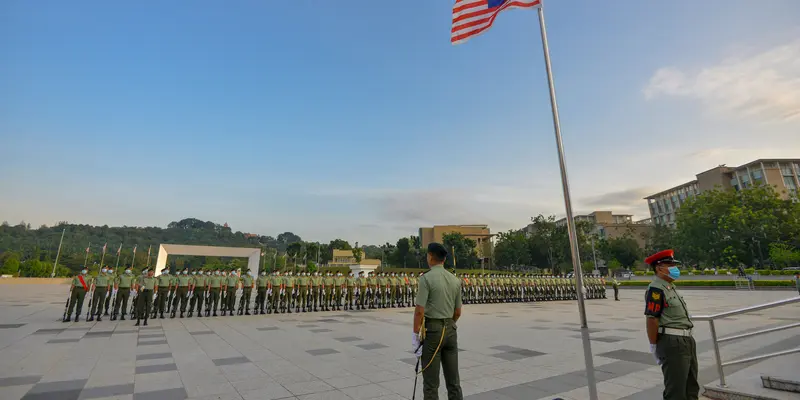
747 309
716 341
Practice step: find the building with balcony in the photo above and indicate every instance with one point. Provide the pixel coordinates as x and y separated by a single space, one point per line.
782 174
608 225
479 233
345 258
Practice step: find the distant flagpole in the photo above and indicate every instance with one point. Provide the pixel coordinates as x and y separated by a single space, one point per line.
58 253
473 18
148 255
86 259
133 260
103 257
119 251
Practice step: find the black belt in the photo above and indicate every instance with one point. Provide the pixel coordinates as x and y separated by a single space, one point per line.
146 290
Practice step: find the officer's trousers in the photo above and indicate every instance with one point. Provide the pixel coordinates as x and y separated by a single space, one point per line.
122 299
144 299
302 300
107 304
328 296
678 355
213 299
261 297
244 302
446 358
98 299
161 300
348 297
76 298
230 298
182 297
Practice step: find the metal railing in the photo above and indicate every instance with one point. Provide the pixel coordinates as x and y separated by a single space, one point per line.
717 341
744 282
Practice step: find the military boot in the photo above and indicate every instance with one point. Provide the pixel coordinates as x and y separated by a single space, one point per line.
122 317
190 314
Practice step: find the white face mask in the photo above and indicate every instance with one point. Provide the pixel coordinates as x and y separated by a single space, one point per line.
104 270
128 272
83 271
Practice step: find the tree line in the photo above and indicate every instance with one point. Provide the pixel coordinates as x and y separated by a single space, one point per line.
755 227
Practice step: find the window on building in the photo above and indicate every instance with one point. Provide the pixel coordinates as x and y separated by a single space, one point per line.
735 184
786 170
789 182
770 165
745 180
758 175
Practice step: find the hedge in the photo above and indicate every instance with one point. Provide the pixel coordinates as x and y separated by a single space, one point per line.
787 282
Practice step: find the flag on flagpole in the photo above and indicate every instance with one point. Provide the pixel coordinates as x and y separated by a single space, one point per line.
87 248
473 17
119 250
134 250
104 248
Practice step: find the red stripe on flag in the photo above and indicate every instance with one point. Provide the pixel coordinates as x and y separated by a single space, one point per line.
488 21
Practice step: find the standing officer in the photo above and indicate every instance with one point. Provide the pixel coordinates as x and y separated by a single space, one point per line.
146 286
315 283
214 287
79 287
669 329
288 287
361 299
435 338
123 285
164 285
247 289
615 285
275 288
350 282
182 283
196 285
231 285
101 288
261 292
302 282
112 278
327 291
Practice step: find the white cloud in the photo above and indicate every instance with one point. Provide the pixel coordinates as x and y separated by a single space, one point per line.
763 86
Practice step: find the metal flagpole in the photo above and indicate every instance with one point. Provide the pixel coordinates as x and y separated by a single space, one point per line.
86 259
119 250
148 255
573 236
58 253
103 257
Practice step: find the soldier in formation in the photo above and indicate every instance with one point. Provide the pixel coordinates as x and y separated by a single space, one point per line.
285 292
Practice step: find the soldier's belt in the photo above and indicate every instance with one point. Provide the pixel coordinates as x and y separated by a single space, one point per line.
675 332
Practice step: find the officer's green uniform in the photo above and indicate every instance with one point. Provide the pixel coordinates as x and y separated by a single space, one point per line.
230 291
316 287
182 283
112 278
214 285
146 286
338 291
328 295
349 283
100 290
362 292
77 296
275 285
164 280
261 293
199 288
123 284
247 290
440 294
302 300
676 348
288 284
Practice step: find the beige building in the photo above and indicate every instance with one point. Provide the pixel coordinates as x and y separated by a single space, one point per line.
610 226
345 258
479 233
782 174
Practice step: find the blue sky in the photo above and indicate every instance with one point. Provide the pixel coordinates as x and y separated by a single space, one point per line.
359 120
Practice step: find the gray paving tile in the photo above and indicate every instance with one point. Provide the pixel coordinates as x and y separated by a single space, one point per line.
524 352
348 339
409 361
106 391
72 394
166 394
231 361
610 339
307 326
268 328
48 331
19 380
329 321
149 369
98 334
59 386
151 343
11 326
619 368
320 330
151 335
151 328
371 346
505 348
153 356
198 333
63 340
509 356
321 352
629 355
124 331
356 322
521 392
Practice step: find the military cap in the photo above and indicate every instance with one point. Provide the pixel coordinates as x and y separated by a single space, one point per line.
437 249
662 257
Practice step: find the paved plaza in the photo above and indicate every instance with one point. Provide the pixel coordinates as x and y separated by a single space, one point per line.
509 351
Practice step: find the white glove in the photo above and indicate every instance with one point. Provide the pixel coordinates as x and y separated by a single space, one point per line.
416 345
190 293
114 292
239 292
132 293
653 351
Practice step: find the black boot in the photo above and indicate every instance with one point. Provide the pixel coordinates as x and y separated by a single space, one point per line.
145 322
162 315
221 312
137 322
77 317
90 319
122 317
247 311
113 317
190 314
215 313
68 318
182 314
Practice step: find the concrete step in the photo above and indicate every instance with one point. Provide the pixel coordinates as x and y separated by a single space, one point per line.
748 383
778 383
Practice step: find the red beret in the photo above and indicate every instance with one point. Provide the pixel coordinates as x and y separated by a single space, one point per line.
661 256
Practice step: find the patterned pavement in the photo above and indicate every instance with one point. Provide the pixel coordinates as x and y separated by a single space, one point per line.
508 351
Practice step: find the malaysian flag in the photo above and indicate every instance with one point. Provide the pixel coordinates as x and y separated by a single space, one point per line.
472 17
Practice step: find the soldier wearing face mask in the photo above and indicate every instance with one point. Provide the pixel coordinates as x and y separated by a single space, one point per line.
79 287
123 285
101 288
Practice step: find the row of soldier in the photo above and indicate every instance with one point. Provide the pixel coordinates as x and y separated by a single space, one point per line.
500 288
283 292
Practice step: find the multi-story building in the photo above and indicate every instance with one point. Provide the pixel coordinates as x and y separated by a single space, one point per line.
782 174
345 258
608 225
479 233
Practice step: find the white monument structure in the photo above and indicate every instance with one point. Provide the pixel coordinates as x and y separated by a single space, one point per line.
253 254
356 268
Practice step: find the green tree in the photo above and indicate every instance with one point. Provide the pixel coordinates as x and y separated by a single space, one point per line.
624 250
462 249
784 256
11 264
358 253
512 249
